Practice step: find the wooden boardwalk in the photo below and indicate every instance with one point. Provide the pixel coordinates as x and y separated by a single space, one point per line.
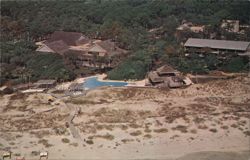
73 130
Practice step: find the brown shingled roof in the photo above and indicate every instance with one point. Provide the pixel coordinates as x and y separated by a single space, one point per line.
58 46
70 38
154 77
110 47
166 69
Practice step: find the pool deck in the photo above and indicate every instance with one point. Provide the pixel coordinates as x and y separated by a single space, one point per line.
101 77
140 83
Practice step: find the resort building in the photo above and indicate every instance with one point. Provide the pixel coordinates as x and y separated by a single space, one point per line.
234 26
45 84
216 46
166 76
189 26
231 25
84 51
70 38
54 47
60 42
6 90
105 48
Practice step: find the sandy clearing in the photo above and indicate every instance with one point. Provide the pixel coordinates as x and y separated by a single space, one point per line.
203 121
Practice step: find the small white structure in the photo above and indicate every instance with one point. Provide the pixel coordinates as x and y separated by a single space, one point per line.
197 29
44 154
7 154
33 90
191 27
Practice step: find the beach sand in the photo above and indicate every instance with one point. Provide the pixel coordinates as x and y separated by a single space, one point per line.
202 122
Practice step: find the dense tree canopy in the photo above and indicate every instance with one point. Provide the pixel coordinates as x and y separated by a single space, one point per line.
127 22
42 17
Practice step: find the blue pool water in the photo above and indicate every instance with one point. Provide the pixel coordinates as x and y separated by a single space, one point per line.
93 82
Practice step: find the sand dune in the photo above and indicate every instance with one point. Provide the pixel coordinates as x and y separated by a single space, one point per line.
202 122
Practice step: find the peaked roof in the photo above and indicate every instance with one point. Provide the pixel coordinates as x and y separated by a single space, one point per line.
58 46
108 45
217 44
166 69
97 48
44 48
70 38
154 77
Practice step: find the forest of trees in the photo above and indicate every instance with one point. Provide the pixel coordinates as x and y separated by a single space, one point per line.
127 22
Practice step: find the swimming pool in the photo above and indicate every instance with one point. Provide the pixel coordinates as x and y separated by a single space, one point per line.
93 82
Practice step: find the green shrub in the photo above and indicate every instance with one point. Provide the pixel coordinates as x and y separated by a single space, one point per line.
189 65
236 64
49 66
214 130
136 133
161 130
89 141
135 67
65 140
